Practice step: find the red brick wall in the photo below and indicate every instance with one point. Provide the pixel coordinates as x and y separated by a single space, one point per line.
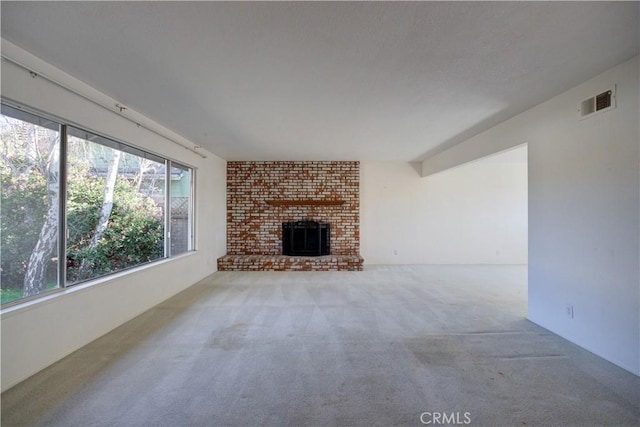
255 228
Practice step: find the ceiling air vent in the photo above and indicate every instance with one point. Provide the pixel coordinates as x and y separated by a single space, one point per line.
602 102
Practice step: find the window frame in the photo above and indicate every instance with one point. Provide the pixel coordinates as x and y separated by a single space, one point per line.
63 127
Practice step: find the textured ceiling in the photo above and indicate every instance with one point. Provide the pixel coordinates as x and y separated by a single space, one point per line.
327 81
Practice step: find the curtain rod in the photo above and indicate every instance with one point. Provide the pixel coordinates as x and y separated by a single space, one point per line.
107 103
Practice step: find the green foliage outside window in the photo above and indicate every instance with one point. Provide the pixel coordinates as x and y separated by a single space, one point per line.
134 235
22 209
134 232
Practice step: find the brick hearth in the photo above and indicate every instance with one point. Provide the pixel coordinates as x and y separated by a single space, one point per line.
263 195
290 263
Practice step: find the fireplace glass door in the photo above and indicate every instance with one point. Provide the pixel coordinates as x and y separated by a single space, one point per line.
306 238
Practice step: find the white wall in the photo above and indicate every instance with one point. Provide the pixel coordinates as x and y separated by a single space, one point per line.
584 213
38 333
473 214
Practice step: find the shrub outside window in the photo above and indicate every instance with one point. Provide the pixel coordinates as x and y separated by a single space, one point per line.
115 208
30 191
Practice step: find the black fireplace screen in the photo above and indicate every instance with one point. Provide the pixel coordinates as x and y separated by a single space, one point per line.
306 238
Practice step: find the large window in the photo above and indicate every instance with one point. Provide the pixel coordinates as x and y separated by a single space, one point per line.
76 206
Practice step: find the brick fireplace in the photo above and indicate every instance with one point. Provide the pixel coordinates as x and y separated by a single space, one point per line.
261 196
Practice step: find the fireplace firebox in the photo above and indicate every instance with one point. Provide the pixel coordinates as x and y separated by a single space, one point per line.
306 238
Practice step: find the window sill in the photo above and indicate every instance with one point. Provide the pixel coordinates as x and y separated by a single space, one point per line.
48 297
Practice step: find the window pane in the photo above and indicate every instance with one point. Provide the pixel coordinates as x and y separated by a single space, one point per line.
181 221
115 215
29 169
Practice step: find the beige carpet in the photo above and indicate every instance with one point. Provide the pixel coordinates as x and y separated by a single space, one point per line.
383 347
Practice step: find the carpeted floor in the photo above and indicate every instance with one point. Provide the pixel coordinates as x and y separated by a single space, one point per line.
383 347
